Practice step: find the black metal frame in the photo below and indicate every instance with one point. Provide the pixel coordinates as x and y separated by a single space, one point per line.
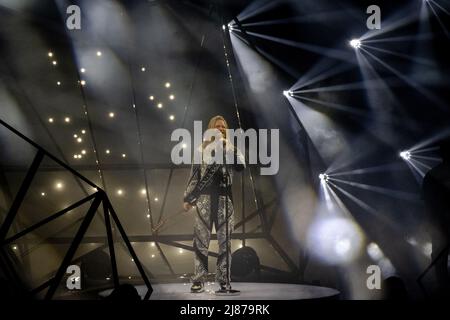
98 198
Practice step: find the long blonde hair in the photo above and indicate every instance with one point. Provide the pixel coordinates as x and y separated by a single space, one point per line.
212 125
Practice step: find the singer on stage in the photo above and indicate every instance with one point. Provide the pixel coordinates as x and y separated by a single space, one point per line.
208 187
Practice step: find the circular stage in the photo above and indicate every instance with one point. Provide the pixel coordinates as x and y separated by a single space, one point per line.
249 291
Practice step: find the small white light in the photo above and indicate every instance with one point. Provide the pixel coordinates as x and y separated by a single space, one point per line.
184 145
143 191
83 151
285 93
240 246
167 85
99 53
171 97
153 255
180 251
172 117
54 62
111 114
152 244
120 192
43 194
50 120
355 43
79 140
83 82
323 177
151 97
14 247
124 155
108 278
129 277
160 105
75 156
405 155
132 259
59 185
67 119
143 69
83 70
156 199
107 151
50 54
95 189
58 83
148 216
75 136
83 131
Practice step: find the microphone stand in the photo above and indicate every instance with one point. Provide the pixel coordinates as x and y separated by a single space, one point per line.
227 291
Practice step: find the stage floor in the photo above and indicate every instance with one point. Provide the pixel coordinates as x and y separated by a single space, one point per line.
249 291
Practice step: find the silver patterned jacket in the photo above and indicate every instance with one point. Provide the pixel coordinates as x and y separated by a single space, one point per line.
202 174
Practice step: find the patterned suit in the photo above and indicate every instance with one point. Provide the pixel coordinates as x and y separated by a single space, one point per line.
208 188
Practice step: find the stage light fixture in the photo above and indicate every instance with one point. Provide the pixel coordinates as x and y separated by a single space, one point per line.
323 177
405 155
355 43
285 93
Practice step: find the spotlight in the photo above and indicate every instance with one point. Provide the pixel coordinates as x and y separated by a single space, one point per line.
172 117
148 216
83 82
67 119
108 152
43 194
58 83
160 105
285 93
83 151
83 70
50 120
171 97
79 140
58 185
405 155
120 192
355 43
143 191
54 62
111 114
167 85
156 199
143 69
151 97
83 131
323 177
99 53
124 155
50 54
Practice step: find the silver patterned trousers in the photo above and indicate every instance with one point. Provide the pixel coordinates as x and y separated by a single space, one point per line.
211 209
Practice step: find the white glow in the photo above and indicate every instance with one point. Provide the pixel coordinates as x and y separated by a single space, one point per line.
143 69
99 53
107 151
323 177
83 151
148 216
427 248
83 131
79 140
67 119
160 105
58 83
172 117
171 97
111 114
75 136
374 251
151 97
120 192
156 199
75 156
43 194
355 43
167 85
50 54
54 62
184 145
180 251
152 244
14 247
153 255
83 70
59 185
405 155
335 240
83 82
50 120
124 155
285 93
223 27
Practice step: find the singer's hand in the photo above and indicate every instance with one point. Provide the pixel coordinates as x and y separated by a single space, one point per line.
187 206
